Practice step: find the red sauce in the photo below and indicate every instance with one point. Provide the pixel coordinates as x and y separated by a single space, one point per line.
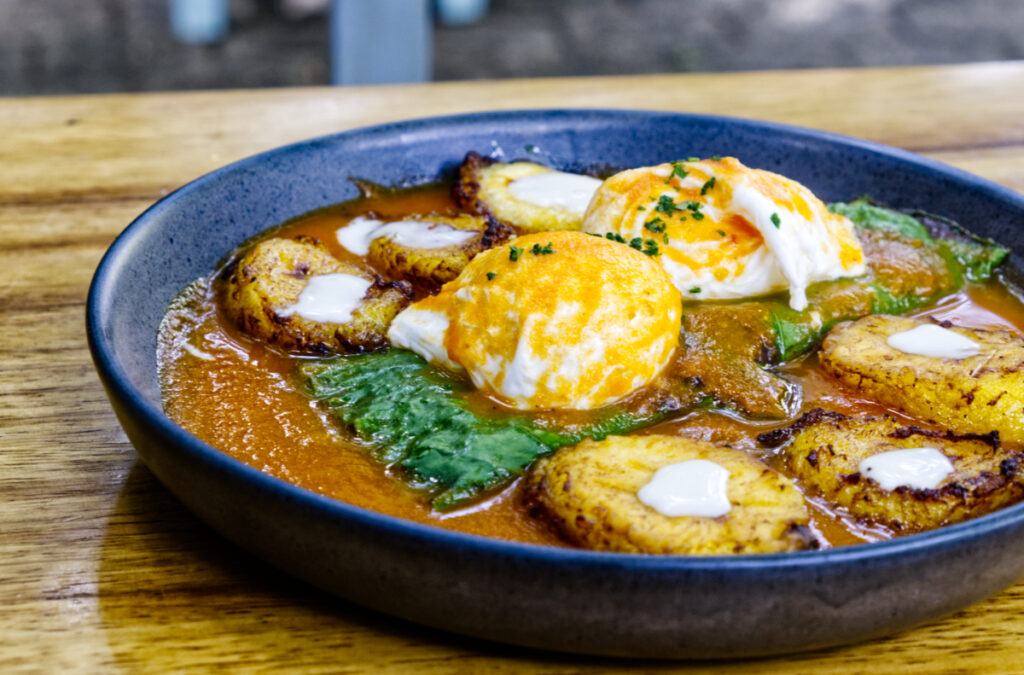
238 395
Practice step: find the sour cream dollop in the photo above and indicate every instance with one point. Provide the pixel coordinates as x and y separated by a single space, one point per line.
329 298
697 487
361 232
917 468
556 189
935 341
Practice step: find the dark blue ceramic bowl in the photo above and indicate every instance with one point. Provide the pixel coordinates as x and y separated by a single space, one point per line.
578 601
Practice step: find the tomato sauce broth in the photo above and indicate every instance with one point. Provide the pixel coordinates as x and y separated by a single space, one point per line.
240 396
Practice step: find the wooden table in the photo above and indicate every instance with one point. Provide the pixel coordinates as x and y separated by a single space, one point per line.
101 570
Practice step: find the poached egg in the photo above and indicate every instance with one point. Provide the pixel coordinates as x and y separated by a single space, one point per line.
725 230
552 320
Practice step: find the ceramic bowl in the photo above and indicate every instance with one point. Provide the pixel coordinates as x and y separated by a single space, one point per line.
555 598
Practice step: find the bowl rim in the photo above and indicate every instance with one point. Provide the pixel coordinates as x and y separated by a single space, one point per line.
115 377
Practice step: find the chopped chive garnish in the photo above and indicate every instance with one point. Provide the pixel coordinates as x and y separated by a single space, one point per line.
695 289
514 252
678 170
637 243
641 208
667 206
491 275
693 159
707 186
721 233
776 221
655 225
651 247
542 250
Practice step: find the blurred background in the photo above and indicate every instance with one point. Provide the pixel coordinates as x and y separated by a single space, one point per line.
87 46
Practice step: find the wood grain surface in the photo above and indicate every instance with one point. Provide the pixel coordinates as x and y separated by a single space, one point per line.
102 571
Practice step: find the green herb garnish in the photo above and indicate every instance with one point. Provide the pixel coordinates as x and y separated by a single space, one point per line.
667 206
678 170
656 225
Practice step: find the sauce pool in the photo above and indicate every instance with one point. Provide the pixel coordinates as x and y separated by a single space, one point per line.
239 396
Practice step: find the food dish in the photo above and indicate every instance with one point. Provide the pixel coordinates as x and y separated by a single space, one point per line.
535 339
629 615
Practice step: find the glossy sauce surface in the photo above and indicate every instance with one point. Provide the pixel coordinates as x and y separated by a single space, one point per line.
239 396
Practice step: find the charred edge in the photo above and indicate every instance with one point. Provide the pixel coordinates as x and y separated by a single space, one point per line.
467 187
403 287
1011 467
955 491
777 437
496 232
990 439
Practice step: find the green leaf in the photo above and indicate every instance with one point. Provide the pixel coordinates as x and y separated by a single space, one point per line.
793 336
871 217
979 259
413 417
885 302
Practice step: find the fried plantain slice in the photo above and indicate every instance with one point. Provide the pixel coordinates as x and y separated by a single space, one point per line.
416 260
589 493
825 452
264 285
485 187
972 395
